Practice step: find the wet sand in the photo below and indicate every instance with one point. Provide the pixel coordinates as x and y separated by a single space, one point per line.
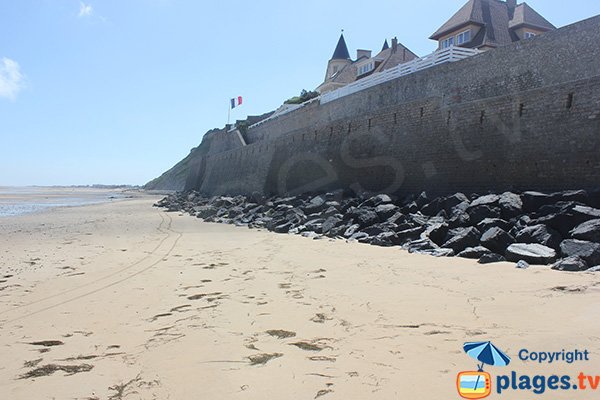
125 301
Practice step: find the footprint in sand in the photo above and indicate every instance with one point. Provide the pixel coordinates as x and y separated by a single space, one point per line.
280 333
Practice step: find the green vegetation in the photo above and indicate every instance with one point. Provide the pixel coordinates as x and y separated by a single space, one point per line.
304 96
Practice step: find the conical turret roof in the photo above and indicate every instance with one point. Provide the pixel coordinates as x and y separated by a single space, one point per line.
385 45
341 50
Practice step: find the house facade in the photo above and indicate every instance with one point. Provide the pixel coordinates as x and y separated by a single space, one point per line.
487 24
342 70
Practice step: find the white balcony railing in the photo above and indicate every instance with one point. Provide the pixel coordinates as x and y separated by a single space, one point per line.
450 54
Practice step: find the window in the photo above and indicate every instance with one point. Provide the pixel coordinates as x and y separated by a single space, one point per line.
447 43
463 37
363 69
529 35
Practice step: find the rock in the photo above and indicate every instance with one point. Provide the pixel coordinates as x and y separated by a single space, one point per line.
409 234
315 225
497 240
397 218
491 258
385 239
533 201
567 217
410 208
474 252
522 265
421 200
540 234
311 235
330 223
364 217
479 213
385 211
594 269
444 203
283 228
459 219
417 246
376 200
460 238
352 229
493 222
573 264
316 204
437 233
487 200
438 252
510 205
361 237
533 253
588 251
589 231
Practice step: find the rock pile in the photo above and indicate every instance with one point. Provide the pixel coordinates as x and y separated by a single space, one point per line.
559 229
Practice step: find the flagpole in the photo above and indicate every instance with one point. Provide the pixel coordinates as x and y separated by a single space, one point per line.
228 113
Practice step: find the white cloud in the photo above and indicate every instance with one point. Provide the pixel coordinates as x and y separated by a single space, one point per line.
85 10
11 79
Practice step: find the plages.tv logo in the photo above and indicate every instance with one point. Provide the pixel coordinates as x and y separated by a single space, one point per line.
478 384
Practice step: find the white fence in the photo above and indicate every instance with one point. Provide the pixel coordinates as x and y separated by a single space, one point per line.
450 54
438 57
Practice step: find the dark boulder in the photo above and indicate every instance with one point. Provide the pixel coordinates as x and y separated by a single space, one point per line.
567 216
352 229
460 238
492 223
474 252
497 240
417 246
385 211
510 205
522 264
487 200
410 234
540 234
589 231
364 216
437 233
479 213
438 252
491 258
376 200
385 239
589 251
331 223
573 264
533 253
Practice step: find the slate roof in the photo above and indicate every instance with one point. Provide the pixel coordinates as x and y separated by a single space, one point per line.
527 16
341 50
496 21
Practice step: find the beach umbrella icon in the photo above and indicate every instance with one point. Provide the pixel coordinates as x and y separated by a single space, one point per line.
486 353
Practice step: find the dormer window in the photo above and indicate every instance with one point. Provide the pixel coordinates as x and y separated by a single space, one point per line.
463 37
529 35
448 42
363 69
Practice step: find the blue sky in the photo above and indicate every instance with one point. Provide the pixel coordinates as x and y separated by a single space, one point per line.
117 91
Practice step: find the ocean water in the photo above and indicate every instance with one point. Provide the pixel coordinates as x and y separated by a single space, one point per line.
26 200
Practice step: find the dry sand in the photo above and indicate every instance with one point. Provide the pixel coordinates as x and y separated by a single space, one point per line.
125 301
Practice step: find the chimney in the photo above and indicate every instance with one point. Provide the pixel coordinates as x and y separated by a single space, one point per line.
394 44
512 4
363 53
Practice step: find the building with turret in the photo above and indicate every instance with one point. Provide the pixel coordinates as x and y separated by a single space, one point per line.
342 70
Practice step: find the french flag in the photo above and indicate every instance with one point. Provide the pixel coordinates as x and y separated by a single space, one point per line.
237 101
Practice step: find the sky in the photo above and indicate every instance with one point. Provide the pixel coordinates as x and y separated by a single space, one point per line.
118 91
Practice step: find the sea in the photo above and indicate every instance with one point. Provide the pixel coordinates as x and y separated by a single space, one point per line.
26 200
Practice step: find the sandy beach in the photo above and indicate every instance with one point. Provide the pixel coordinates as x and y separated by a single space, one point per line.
126 301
